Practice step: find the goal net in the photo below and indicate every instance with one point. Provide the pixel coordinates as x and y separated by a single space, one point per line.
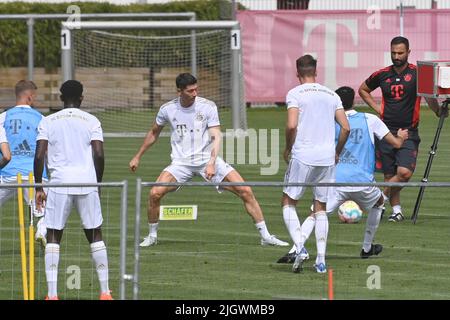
127 77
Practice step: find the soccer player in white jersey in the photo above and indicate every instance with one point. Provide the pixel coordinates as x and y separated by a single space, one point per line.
73 140
356 165
20 123
195 140
310 134
4 149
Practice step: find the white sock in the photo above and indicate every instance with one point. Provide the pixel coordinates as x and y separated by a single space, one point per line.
321 235
293 249
51 268
307 228
153 229
385 197
397 208
373 220
293 225
262 228
98 250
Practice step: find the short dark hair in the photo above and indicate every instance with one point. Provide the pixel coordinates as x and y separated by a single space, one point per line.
71 90
306 66
185 79
400 40
24 85
347 96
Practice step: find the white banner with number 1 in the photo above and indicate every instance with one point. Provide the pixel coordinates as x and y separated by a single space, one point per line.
235 39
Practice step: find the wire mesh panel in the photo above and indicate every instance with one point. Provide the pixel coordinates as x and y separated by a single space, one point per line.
77 275
126 76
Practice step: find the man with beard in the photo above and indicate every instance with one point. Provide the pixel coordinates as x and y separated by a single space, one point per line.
399 109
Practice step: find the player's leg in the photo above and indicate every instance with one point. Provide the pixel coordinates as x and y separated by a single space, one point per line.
58 208
173 173
245 193
89 208
41 229
389 166
321 195
370 199
406 158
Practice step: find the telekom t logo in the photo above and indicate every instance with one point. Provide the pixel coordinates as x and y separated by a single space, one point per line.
397 91
350 58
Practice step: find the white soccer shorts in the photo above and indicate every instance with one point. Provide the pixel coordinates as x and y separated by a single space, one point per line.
59 205
184 173
298 172
8 193
366 197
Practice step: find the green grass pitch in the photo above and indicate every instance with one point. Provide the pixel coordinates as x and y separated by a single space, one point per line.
219 256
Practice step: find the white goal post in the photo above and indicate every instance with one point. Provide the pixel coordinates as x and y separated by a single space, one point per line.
237 105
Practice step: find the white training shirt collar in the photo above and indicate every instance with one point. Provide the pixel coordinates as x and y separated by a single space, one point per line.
350 112
23 106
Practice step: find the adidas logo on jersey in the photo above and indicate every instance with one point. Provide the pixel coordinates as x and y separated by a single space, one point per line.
347 157
23 149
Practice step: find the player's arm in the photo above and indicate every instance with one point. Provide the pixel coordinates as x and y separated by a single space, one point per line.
6 154
290 131
397 141
342 120
99 158
149 140
215 135
38 169
365 93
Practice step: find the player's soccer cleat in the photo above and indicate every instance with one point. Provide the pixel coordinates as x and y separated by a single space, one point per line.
106 296
273 241
304 254
149 241
396 217
41 232
51 298
290 256
287 258
321 267
298 263
375 249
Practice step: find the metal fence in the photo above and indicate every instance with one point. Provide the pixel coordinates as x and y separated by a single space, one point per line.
14 267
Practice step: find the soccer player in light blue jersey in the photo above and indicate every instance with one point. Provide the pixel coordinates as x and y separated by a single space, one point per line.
20 124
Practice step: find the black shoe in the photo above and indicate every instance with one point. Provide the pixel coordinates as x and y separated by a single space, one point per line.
383 210
396 217
287 258
375 249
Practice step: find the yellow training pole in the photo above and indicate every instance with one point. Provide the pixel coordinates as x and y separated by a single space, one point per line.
31 235
23 251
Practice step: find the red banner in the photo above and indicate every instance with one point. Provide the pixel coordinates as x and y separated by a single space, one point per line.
349 45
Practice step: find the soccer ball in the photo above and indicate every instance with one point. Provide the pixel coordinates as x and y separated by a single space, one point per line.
349 212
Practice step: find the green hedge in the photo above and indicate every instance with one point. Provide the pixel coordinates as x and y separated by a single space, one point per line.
14 34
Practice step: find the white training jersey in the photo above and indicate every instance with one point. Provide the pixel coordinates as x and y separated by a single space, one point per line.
69 133
3 135
190 140
376 128
314 144
375 125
